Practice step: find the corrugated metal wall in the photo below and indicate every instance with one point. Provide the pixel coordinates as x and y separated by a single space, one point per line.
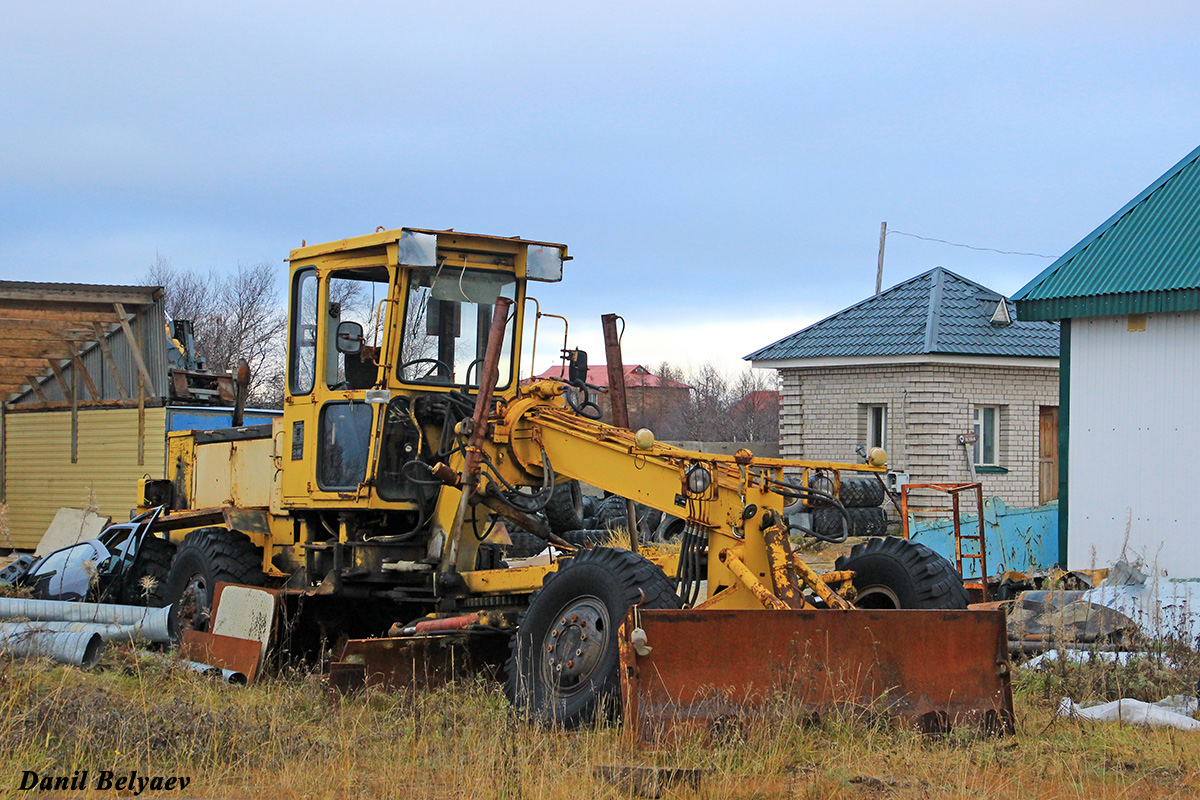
41 478
1134 427
150 329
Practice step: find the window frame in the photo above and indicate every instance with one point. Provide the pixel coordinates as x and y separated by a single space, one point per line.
294 329
980 429
333 378
321 444
882 408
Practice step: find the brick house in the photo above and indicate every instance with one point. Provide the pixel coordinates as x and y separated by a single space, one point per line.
914 368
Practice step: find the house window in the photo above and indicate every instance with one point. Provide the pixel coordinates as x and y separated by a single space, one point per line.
987 435
877 426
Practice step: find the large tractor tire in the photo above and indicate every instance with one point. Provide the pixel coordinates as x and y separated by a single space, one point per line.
899 573
564 667
146 583
827 522
207 557
564 512
861 491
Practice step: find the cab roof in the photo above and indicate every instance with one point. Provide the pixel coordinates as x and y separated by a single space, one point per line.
446 238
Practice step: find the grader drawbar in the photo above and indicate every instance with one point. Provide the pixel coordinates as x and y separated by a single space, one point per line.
408 462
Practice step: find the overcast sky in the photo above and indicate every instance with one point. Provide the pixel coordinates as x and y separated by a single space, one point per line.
719 170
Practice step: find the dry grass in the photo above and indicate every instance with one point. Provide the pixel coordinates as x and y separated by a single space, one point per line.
289 738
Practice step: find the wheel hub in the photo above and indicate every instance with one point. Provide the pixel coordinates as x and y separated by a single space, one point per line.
876 596
575 644
194 603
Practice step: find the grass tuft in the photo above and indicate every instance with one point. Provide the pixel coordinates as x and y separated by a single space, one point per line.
290 738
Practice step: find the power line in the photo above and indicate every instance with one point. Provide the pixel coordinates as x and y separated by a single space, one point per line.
969 247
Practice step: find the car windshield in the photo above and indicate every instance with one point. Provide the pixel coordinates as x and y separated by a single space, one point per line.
67 574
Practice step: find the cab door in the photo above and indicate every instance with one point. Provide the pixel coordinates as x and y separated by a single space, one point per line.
298 454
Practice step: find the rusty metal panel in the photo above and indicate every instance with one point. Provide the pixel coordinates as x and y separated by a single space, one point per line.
226 652
937 669
425 662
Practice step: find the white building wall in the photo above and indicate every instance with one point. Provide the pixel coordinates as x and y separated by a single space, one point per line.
1134 431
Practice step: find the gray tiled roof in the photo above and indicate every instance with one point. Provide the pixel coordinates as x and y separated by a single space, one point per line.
935 312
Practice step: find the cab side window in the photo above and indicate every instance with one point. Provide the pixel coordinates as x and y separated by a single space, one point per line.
302 369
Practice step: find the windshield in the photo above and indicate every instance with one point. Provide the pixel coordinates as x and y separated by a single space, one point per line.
447 317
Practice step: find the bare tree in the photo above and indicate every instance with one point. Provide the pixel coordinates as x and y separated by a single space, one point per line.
754 407
235 315
718 409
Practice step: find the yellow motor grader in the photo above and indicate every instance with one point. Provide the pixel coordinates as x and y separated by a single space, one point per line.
410 443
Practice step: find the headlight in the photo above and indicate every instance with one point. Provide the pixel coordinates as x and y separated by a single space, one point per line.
877 457
698 479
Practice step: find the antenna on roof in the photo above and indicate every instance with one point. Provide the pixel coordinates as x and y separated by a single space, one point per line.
879 272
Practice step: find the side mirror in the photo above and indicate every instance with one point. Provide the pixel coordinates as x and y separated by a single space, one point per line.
349 339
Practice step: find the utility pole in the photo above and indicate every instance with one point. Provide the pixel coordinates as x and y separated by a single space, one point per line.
879 272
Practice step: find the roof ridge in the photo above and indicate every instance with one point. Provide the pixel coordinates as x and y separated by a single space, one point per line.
933 319
1107 225
970 282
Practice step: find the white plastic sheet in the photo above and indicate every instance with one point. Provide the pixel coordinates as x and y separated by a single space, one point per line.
1133 712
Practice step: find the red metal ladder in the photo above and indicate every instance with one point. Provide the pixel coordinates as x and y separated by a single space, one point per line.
953 491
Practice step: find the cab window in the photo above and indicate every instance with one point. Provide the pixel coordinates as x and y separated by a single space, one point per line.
302 369
448 313
354 309
344 444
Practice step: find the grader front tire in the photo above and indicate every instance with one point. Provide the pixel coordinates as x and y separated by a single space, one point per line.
563 669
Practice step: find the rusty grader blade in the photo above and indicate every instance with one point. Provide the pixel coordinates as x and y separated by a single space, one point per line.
698 669
417 663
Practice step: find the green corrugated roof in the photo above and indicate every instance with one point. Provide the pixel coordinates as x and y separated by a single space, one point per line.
1144 258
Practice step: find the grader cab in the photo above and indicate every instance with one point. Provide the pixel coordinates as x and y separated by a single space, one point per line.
412 439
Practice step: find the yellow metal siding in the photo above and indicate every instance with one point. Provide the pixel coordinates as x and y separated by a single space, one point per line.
41 478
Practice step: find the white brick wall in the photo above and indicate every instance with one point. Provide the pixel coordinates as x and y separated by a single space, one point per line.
823 418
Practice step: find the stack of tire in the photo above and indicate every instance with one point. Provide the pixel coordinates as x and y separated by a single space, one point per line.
565 516
584 521
862 496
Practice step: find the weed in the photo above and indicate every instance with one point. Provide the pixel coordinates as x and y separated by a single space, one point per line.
288 737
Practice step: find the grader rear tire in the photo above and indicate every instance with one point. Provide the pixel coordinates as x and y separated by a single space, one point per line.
563 668
146 583
207 557
899 573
